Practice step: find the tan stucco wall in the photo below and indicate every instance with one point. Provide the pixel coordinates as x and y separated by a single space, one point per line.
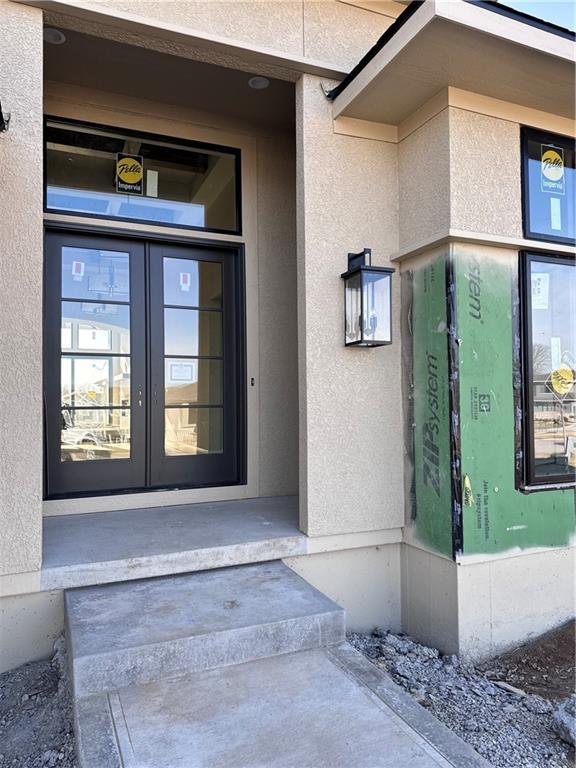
278 320
21 267
350 399
485 186
459 171
424 182
321 30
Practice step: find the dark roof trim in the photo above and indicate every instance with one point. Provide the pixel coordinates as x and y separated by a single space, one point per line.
406 14
489 5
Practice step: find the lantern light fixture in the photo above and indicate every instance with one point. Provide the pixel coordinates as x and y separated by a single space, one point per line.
4 120
367 301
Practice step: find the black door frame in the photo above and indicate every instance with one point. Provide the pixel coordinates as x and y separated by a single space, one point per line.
51 347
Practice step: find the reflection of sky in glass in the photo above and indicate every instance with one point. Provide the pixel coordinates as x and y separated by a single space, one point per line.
542 218
557 317
190 283
181 332
116 204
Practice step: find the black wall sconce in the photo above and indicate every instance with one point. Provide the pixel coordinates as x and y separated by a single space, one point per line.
4 120
367 301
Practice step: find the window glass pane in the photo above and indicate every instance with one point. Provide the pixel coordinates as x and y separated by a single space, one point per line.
88 273
193 431
101 434
191 332
551 187
193 381
107 173
376 289
87 326
553 303
189 283
353 308
95 381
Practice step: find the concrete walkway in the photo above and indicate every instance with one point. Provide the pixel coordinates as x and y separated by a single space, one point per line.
239 667
301 710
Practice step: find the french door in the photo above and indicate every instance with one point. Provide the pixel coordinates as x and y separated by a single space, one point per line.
143 368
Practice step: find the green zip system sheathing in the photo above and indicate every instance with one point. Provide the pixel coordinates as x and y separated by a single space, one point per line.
464 351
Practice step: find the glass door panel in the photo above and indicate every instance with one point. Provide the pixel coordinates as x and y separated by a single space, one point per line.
95 394
144 383
196 386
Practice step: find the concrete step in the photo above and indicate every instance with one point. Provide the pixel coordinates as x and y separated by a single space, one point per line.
143 631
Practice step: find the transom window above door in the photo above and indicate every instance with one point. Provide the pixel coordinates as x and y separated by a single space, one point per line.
117 174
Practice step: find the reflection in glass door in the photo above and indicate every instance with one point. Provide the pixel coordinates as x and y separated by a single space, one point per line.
95 377
194 376
143 387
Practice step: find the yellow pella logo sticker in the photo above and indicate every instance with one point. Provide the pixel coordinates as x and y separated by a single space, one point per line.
562 380
129 173
552 165
129 170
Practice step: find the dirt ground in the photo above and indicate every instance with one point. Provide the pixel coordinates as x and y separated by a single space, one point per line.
544 666
36 715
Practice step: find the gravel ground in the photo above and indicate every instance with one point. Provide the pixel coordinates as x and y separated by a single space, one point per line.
511 730
36 715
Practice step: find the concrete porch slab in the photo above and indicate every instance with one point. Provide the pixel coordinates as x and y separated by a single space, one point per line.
303 709
105 547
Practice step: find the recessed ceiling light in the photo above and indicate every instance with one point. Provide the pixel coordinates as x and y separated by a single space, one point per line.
54 36
258 83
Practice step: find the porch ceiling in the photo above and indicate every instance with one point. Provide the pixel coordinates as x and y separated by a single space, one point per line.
104 65
104 547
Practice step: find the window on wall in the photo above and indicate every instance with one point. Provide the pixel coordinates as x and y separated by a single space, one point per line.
118 174
548 186
549 303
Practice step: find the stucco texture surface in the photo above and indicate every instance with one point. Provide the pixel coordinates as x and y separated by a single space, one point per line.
424 181
321 30
21 291
485 185
278 321
350 399
270 23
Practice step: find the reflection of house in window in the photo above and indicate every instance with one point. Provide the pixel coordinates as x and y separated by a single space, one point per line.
183 184
552 369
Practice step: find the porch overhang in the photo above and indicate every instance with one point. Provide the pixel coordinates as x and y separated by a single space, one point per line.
477 47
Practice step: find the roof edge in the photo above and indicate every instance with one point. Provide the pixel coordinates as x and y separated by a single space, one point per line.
490 5
395 27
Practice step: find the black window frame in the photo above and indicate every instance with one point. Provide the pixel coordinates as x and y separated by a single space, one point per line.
532 134
146 136
528 480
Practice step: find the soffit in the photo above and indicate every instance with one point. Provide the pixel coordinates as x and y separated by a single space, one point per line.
468 48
